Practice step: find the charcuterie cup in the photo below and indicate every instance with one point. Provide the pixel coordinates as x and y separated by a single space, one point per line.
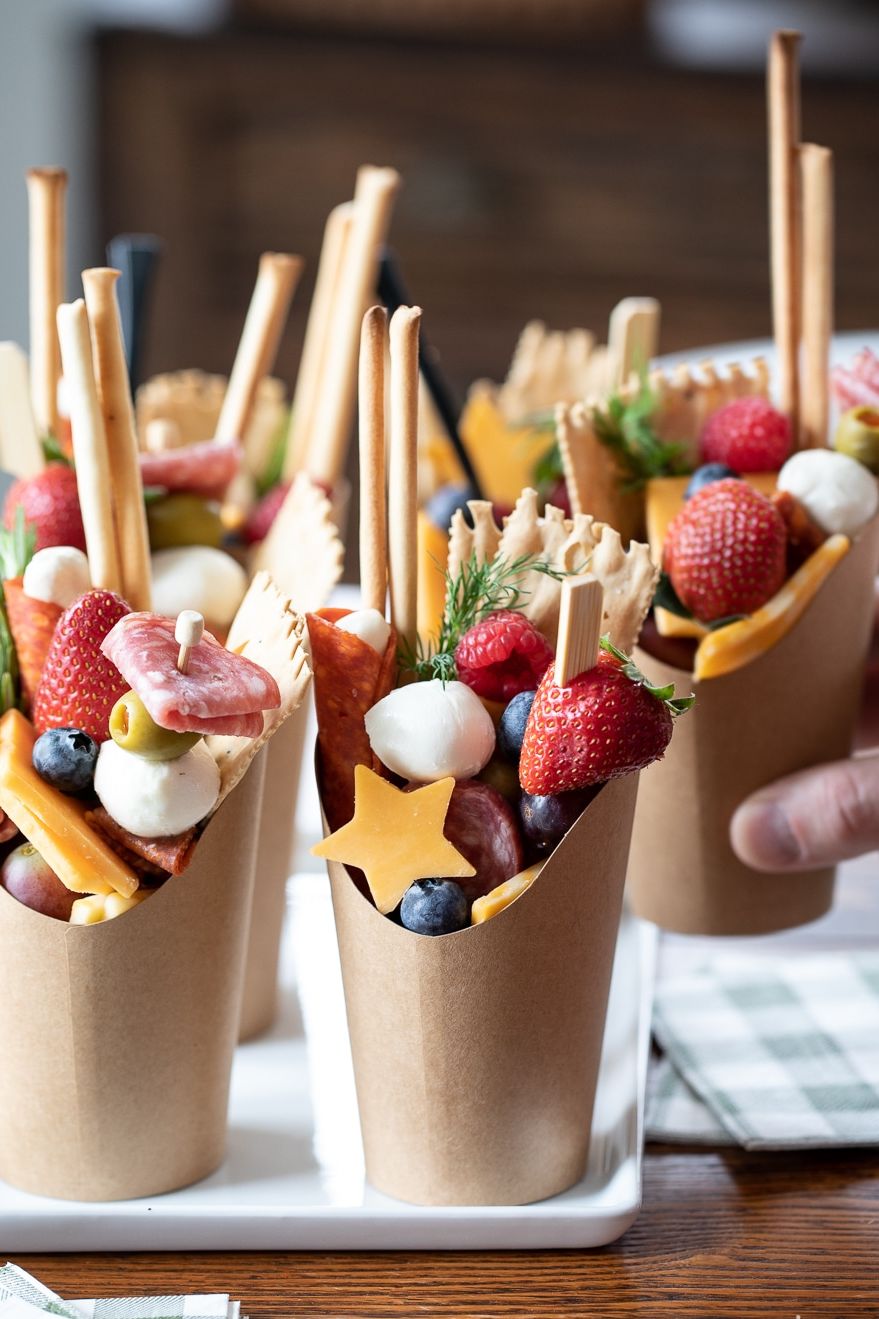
792 707
476 1054
118 1038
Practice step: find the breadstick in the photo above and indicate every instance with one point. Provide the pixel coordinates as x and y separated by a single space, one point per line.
45 189
403 474
20 450
373 486
89 447
258 347
334 407
114 393
317 331
816 178
784 216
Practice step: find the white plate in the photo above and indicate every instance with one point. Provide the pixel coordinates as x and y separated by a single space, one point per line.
293 1178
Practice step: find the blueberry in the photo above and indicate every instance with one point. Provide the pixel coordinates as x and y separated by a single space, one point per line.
546 820
511 728
707 474
434 906
442 506
66 757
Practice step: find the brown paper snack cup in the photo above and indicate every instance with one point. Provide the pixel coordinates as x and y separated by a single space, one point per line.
274 864
117 1039
476 1054
793 707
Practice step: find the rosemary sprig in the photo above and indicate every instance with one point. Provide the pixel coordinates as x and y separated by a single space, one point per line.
475 591
627 430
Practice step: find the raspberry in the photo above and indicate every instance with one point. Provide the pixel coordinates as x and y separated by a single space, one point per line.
502 656
749 435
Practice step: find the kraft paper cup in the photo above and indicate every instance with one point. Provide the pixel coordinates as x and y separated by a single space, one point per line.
476 1054
117 1039
793 707
274 864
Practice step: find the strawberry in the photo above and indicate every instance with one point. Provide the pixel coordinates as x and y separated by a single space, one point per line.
79 687
605 723
502 655
725 551
51 505
748 435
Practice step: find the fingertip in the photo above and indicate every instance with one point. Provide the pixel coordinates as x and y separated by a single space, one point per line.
762 836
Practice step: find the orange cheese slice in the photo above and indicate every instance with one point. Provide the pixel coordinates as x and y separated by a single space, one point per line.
504 457
504 895
665 499
739 643
53 822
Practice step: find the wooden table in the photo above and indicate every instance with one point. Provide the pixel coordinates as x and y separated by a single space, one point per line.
721 1234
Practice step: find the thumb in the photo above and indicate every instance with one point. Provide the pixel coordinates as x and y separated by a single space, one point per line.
811 819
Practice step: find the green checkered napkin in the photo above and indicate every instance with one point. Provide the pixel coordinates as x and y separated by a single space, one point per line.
780 1054
31 1299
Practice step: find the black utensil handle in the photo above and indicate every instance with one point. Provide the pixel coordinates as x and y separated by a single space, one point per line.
136 256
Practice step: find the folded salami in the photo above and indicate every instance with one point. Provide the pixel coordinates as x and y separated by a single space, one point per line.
350 676
205 468
220 692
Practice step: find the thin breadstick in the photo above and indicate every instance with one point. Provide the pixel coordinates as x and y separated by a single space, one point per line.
46 190
632 336
580 616
20 450
317 332
258 347
816 177
331 428
373 485
89 447
402 474
784 216
114 394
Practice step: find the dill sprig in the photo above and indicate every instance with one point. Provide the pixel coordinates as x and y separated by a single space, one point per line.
477 589
626 428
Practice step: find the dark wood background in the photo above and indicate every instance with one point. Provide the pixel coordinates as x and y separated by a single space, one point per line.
539 181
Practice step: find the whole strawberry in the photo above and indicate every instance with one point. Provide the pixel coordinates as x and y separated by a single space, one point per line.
725 551
51 504
502 655
605 723
79 687
748 435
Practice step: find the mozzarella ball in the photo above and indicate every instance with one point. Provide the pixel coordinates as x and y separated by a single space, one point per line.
59 574
836 491
429 730
156 798
198 577
370 626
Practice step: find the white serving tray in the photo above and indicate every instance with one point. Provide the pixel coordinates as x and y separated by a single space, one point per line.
293 1178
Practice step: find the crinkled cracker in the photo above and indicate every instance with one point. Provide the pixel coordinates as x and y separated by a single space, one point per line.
302 552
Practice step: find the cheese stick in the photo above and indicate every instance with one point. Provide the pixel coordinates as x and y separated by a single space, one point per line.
263 326
89 447
314 348
114 394
45 189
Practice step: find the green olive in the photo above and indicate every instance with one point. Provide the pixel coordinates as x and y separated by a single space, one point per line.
133 729
182 519
503 777
858 435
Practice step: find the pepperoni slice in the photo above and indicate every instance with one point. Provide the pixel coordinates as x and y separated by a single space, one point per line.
221 692
205 468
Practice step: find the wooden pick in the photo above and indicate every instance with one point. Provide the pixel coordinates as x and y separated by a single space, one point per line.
816 175
580 617
633 336
784 215
114 393
373 482
317 332
402 474
258 347
46 189
188 632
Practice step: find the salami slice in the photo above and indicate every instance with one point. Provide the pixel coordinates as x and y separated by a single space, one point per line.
221 692
349 677
169 855
857 383
205 468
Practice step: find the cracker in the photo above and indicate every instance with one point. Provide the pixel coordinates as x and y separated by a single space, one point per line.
482 539
268 631
192 401
303 551
550 366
